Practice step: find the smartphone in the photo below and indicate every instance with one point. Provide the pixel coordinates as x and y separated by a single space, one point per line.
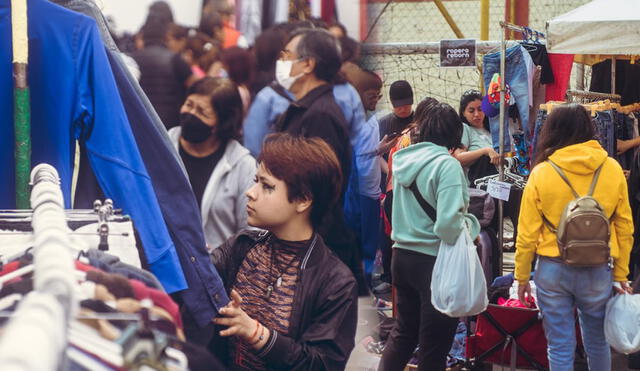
394 134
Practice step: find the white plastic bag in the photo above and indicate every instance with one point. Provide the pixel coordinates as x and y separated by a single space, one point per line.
622 323
458 286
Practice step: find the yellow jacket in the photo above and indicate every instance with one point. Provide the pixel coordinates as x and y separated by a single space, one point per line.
547 193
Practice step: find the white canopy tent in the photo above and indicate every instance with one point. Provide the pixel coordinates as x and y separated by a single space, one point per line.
601 27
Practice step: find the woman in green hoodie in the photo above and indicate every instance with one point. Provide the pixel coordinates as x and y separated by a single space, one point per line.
440 181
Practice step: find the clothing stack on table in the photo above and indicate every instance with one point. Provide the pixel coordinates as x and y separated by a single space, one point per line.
123 309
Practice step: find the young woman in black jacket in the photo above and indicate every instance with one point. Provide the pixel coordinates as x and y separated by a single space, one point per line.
294 303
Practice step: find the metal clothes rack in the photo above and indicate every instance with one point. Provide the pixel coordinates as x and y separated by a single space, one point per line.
582 96
503 47
36 336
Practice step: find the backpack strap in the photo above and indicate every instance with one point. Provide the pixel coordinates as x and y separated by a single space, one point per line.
596 176
564 177
431 212
592 187
548 224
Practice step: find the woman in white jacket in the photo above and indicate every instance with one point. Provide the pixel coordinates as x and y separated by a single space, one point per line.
220 169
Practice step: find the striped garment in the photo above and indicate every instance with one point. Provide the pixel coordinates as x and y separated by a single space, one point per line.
259 270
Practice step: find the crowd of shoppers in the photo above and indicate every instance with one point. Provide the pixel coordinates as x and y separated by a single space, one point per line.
300 182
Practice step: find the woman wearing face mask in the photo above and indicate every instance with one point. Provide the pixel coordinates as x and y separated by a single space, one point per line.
477 155
220 169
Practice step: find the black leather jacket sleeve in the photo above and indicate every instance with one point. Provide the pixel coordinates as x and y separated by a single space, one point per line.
327 342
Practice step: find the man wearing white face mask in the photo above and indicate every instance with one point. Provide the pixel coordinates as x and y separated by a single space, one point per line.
307 67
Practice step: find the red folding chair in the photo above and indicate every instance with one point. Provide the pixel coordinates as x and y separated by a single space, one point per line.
508 336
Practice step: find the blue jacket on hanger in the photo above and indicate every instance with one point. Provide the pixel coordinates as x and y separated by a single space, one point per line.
74 97
206 293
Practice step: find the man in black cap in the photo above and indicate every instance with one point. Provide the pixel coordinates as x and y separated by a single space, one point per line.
401 96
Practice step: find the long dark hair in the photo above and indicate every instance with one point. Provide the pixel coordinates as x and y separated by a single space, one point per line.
466 98
566 125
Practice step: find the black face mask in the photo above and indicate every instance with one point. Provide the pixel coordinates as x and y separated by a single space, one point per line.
193 129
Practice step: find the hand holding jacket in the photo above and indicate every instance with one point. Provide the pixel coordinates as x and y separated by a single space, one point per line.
324 316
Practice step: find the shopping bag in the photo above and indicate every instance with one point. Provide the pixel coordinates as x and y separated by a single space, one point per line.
458 285
622 323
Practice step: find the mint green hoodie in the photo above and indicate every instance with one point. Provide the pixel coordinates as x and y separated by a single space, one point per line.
442 183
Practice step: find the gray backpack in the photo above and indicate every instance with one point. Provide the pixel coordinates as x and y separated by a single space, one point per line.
583 232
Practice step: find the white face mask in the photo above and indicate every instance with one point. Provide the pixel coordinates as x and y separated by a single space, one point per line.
283 73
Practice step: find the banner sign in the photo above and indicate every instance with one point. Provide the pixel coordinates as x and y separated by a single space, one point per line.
457 53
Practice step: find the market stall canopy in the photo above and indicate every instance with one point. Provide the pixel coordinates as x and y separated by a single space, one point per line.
599 28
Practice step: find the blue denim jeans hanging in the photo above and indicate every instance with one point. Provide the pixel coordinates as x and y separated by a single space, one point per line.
540 119
516 78
606 135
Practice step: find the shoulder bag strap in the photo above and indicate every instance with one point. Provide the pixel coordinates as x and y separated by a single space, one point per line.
596 176
431 212
564 177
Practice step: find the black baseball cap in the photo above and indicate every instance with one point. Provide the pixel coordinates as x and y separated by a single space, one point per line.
400 93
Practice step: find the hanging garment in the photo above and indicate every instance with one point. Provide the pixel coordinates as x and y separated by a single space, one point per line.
531 71
541 117
179 208
538 53
627 77
539 92
517 79
605 125
74 96
561 65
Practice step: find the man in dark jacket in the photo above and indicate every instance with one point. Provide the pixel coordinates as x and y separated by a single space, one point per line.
308 66
164 75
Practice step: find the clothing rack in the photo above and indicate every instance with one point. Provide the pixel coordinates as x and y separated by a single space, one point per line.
582 96
503 47
39 326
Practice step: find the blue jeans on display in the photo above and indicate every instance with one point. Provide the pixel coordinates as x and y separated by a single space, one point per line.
540 119
561 289
516 78
606 131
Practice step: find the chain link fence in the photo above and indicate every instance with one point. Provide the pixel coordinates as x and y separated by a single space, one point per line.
421 22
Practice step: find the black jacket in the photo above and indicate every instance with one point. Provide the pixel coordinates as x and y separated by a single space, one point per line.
318 115
323 321
163 75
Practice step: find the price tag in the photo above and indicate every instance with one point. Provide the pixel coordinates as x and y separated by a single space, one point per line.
499 190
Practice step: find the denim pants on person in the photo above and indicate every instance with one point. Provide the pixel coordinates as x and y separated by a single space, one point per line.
560 290
516 78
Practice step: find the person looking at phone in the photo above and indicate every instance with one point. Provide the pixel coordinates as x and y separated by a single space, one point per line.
401 96
393 124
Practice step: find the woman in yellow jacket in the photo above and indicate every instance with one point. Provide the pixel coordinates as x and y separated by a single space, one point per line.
567 140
